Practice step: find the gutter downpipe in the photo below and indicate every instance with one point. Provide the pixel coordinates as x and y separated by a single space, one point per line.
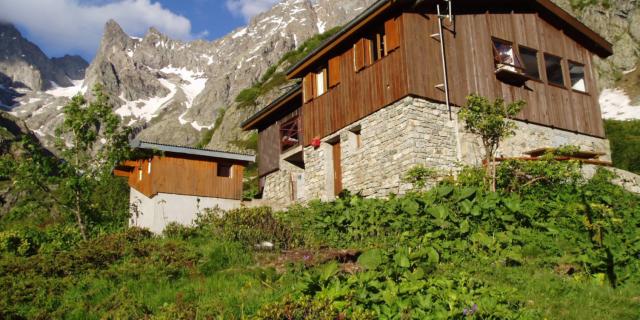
444 58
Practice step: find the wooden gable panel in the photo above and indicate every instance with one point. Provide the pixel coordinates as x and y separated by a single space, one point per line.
269 149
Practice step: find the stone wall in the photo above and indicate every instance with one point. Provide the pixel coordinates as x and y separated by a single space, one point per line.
378 150
392 140
280 186
528 137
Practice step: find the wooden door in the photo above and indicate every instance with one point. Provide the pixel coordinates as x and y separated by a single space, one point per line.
337 169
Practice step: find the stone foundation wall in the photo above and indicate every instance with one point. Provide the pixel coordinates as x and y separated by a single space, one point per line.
278 187
529 137
392 140
378 150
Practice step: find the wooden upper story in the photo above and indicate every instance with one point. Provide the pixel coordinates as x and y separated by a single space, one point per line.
186 171
528 50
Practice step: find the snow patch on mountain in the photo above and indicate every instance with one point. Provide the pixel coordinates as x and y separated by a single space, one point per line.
192 83
67 92
616 105
147 109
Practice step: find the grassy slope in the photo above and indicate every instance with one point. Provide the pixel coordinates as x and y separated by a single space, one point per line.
212 271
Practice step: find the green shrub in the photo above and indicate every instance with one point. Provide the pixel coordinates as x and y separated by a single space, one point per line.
249 226
248 97
420 176
625 143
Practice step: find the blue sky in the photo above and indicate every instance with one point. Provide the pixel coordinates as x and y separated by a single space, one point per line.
61 27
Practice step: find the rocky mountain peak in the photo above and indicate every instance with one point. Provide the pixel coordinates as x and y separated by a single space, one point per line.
114 37
72 66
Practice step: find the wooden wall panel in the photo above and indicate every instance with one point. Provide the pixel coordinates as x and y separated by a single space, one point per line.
471 67
186 175
269 149
359 93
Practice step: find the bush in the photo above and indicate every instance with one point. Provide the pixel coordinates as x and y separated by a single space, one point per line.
625 143
250 226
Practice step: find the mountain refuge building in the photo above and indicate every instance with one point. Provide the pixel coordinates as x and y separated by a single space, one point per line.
175 184
383 94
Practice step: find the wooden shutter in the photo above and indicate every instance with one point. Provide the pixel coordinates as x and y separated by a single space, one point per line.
369 51
307 87
334 71
392 35
359 53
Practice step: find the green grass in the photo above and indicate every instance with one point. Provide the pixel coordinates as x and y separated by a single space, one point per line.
554 296
431 254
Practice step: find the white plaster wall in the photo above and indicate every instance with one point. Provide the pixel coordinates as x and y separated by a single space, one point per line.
157 212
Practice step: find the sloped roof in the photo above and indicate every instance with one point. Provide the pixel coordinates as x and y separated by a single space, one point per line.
597 43
138 144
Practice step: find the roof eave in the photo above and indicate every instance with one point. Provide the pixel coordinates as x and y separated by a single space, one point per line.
256 119
193 151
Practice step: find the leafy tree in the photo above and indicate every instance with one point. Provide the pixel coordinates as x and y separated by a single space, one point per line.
87 125
490 121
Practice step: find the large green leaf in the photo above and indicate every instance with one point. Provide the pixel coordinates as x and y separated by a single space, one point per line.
371 259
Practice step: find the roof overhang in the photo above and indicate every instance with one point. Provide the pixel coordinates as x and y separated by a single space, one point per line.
597 43
138 144
258 118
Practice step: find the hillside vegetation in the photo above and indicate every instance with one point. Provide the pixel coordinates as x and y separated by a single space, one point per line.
625 143
547 244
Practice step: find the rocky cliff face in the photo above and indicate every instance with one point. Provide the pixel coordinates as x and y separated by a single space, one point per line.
172 91
24 63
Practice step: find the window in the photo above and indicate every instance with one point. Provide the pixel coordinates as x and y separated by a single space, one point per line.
376 44
505 56
576 72
355 136
321 82
553 67
224 170
530 62
290 134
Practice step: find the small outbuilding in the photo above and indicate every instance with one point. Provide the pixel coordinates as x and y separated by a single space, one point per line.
176 183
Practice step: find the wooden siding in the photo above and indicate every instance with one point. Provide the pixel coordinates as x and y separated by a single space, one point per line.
358 95
471 66
269 149
187 175
269 140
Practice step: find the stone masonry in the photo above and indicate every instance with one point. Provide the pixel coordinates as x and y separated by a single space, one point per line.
392 140
378 150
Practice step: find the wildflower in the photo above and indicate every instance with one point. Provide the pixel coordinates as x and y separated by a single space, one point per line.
470 311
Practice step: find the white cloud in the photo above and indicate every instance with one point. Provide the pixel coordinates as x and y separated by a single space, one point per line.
71 26
249 8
